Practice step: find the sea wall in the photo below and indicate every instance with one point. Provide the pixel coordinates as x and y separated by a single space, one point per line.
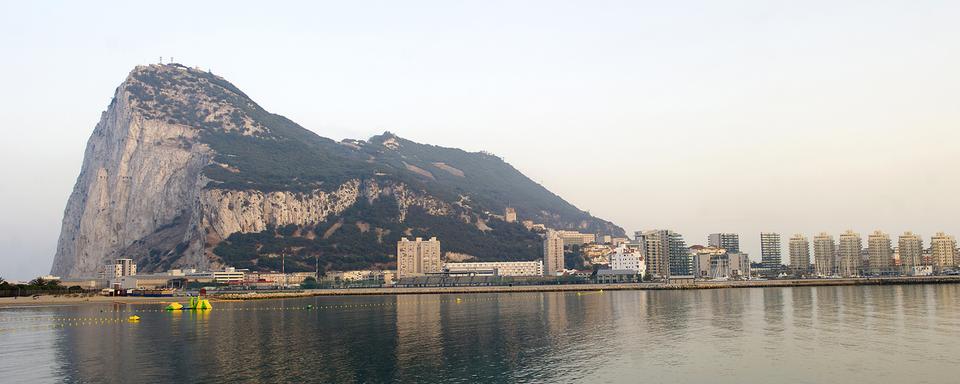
596 287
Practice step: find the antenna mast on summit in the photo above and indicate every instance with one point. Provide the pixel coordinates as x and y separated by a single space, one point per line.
161 59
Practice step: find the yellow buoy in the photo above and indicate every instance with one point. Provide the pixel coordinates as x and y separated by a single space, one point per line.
134 318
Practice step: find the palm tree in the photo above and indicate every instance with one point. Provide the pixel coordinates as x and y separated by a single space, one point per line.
38 282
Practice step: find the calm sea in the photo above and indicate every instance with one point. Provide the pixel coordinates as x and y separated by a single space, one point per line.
875 334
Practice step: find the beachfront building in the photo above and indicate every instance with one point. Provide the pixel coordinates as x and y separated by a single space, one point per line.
553 254
680 262
880 253
943 251
728 241
824 255
418 257
770 250
496 268
799 254
627 259
737 265
701 257
849 249
662 249
717 263
910 248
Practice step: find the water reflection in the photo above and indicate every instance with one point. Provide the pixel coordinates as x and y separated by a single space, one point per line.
809 334
419 342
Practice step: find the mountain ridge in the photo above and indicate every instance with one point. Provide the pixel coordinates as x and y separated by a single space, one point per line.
185 170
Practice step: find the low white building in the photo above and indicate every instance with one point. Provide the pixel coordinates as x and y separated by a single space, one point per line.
625 258
367 275
497 268
227 275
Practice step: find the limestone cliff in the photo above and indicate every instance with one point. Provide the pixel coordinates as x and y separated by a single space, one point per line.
138 174
184 170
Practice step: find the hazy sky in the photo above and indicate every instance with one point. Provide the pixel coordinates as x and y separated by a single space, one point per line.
698 116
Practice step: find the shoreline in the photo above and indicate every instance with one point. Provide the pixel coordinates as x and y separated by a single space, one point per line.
46 301
594 287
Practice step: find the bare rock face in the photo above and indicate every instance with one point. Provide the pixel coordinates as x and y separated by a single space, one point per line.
226 212
138 174
185 171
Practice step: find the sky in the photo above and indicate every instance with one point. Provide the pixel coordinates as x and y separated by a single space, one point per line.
696 116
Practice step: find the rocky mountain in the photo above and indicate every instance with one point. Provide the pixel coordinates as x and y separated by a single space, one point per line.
185 170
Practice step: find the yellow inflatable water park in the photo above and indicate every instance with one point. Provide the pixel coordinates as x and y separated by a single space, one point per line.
196 303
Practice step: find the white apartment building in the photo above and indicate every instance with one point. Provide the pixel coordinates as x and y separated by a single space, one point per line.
624 258
910 248
881 253
728 241
799 254
769 250
825 255
943 251
849 249
553 254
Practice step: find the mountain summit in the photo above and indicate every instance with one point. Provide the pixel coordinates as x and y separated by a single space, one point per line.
185 170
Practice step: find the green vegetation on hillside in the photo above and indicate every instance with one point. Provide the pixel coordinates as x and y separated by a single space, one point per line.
366 235
258 150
